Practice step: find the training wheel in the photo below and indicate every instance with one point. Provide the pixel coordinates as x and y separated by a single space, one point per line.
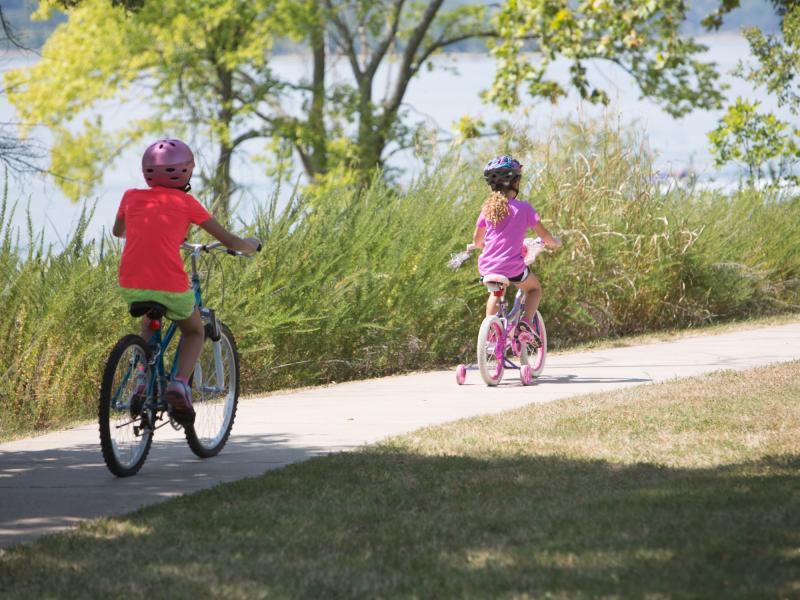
461 374
526 375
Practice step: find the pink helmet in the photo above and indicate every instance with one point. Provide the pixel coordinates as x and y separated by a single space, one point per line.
168 163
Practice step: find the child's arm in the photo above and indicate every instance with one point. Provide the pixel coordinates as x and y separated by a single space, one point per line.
549 240
477 238
119 227
232 241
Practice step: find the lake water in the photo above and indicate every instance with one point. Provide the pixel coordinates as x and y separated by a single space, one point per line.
439 97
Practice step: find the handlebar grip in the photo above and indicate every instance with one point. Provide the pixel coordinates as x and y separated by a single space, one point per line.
231 252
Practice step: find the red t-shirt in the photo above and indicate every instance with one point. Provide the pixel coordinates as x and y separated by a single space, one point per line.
156 223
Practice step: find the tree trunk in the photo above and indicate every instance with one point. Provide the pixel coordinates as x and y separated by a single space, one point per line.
319 146
221 184
370 148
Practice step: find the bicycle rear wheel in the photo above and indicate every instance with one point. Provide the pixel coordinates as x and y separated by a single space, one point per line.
534 353
490 350
215 394
126 433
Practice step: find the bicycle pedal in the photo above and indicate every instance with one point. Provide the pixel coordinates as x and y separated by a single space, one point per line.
526 338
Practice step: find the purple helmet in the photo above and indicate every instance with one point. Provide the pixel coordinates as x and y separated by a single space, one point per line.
168 163
502 171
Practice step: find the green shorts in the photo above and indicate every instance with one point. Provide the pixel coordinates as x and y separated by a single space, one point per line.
180 305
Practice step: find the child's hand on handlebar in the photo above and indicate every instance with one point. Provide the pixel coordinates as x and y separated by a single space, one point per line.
255 243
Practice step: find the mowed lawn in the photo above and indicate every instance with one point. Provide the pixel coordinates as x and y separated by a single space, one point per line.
685 489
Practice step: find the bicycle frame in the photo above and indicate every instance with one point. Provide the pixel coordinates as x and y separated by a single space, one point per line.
158 344
510 320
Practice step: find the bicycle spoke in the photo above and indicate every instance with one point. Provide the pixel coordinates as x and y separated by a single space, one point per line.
215 394
124 439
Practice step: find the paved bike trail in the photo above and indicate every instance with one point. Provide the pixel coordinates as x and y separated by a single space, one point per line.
51 482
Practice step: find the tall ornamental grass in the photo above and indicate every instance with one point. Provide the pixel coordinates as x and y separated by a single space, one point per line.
353 283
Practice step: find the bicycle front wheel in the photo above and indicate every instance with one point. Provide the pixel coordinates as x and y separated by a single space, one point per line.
491 351
534 353
126 431
215 394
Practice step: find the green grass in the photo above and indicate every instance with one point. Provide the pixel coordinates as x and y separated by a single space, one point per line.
352 283
676 490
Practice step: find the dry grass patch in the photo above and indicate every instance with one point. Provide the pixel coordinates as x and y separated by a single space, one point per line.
714 420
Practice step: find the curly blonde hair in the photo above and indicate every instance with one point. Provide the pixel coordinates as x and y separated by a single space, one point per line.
495 208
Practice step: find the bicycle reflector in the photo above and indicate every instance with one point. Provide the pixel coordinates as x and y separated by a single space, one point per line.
155 325
498 293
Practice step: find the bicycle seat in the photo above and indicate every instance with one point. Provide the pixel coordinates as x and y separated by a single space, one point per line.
495 283
500 280
154 310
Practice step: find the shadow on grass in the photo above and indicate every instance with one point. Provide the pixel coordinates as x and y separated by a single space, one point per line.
387 523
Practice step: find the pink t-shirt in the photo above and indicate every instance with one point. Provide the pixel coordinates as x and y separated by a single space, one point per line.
502 249
156 222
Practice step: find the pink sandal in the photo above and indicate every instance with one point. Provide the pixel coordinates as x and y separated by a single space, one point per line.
526 332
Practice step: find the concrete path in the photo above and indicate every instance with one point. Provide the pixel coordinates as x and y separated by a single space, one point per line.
51 482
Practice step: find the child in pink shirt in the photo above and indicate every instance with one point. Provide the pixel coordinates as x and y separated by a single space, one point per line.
501 228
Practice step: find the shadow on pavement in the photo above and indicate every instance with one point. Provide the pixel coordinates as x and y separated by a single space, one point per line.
572 378
171 469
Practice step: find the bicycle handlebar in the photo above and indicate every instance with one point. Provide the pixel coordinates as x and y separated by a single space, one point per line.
531 248
218 246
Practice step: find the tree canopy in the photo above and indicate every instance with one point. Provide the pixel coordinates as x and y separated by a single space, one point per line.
758 140
204 69
641 37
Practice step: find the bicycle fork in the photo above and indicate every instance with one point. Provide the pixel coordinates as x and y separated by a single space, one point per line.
210 316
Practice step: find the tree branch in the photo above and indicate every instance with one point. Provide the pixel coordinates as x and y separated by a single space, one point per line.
247 135
9 33
388 38
407 64
305 159
347 39
443 43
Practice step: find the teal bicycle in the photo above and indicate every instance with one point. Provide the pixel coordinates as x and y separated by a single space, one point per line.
132 402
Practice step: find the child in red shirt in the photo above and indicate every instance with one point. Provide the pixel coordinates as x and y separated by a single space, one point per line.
154 223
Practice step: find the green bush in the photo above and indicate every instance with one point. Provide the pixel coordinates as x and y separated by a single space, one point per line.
353 283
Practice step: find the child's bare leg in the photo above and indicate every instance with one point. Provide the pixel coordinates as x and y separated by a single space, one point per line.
491 305
192 336
144 328
534 295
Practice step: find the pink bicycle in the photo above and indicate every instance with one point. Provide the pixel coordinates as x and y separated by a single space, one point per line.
501 344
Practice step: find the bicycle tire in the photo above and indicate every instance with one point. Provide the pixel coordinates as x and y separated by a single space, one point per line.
491 368
536 358
124 449
215 411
